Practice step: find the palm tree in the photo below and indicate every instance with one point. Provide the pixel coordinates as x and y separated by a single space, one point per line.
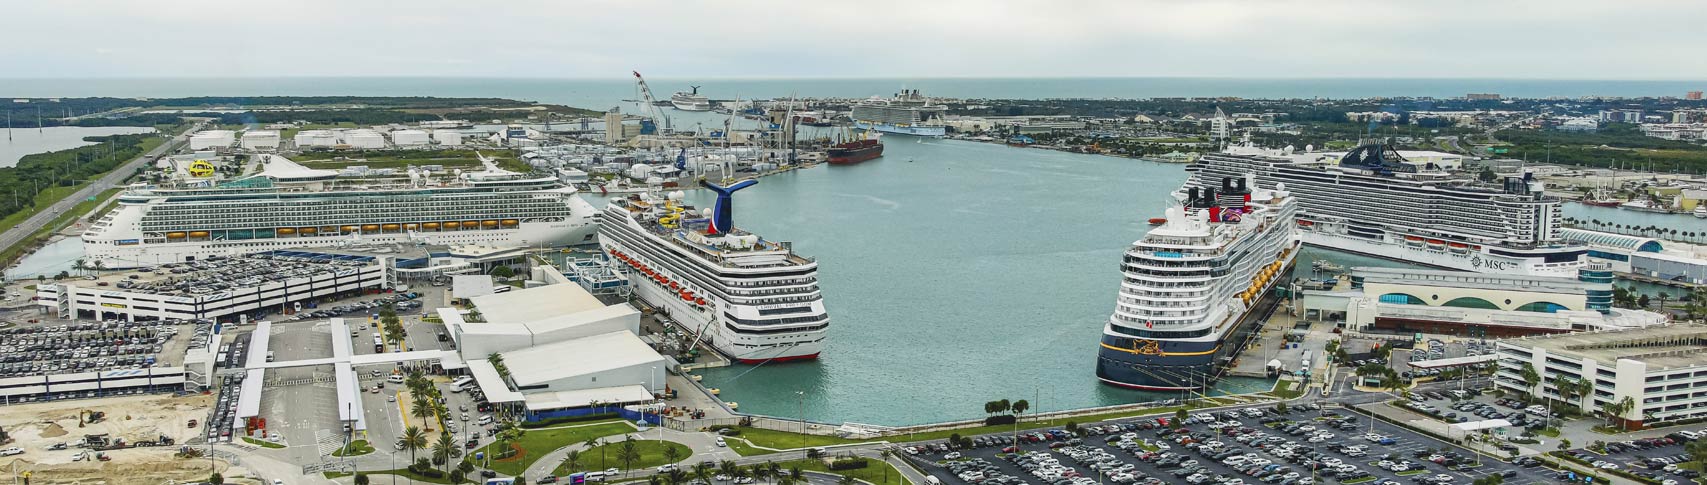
443 447
572 461
672 455
738 473
884 455
796 474
1530 380
702 471
1020 407
414 439
628 453
594 443
1625 406
508 432
762 472
845 480
421 407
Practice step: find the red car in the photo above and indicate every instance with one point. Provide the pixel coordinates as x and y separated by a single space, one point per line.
1011 449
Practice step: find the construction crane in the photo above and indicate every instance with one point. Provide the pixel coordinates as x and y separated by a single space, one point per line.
650 104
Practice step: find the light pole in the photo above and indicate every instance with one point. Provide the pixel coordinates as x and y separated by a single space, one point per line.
802 410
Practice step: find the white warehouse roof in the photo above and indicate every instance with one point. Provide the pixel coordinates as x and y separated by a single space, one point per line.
533 304
578 357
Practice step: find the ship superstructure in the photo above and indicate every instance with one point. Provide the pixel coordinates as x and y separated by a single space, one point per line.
1372 201
289 206
1190 286
908 113
690 100
752 299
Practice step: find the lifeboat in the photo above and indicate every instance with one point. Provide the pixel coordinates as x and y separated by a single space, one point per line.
1413 238
390 227
452 224
370 227
198 233
287 230
674 285
430 225
470 224
510 222
329 229
1305 223
308 230
1157 221
686 296
488 223
347 228
699 301
174 235
1436 242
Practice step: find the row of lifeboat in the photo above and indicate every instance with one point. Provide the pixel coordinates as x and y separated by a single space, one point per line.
658 277
1436 244
426 226
1264 275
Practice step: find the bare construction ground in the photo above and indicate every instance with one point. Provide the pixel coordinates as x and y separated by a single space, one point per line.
36 427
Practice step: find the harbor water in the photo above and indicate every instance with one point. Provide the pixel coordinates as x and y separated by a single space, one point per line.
955 273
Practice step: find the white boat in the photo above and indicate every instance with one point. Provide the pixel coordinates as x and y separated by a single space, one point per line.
1644 205
753 300
1373 201
690 100
1191 285
1700 211
291 206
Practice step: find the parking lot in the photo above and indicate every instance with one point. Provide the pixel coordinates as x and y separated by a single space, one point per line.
90 346
1250 445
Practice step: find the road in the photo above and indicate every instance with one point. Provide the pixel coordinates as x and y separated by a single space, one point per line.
112 179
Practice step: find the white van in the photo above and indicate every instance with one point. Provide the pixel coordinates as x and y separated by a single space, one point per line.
595 476
485 420
397 378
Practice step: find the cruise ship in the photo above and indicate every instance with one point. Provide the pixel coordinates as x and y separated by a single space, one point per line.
1192 284
690 100
752 299
1373 201
291 206
908 113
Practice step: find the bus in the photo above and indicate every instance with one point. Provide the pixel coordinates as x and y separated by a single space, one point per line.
378 345
461 383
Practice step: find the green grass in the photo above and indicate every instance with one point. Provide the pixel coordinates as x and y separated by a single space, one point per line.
1407 473
537 442
651 455
58 222
784 440
1549 432
741 447
1028 425
1288 389
44 198
878 472
262 443
355 448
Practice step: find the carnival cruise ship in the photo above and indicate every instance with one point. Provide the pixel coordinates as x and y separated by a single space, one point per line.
908 113
290 206
1191 285
1373 201
752 299
690 100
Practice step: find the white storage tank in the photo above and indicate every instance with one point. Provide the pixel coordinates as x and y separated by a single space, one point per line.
448 137
408 137
316 138
364 139
212 139
261 140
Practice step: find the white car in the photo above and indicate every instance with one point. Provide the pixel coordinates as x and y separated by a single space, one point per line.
12 451
667 468
952 455
721 477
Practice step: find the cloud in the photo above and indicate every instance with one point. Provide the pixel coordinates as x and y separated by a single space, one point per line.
1635 39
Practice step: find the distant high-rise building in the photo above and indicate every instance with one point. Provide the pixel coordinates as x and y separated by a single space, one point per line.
613 126
1621 115
1483 96
1693 96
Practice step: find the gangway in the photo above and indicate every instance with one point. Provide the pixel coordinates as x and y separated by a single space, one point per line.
598 276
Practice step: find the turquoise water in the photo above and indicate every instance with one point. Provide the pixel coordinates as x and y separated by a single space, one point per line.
599 93
955 273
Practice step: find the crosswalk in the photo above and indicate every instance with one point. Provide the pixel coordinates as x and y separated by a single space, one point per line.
327 442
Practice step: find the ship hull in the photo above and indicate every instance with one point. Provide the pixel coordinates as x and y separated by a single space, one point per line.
1472 261
1174 365
852 156
702 324
913 130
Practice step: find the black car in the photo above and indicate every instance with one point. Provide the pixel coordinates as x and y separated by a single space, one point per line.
488 474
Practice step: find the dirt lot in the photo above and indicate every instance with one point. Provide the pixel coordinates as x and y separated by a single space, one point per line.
37 426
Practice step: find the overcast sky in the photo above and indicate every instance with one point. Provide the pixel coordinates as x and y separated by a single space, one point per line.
1577 39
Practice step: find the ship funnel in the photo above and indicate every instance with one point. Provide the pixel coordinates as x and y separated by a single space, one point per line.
723 213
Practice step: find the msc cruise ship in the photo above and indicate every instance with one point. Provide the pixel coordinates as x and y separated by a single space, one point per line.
1373 201
753 300
290 206
1191 285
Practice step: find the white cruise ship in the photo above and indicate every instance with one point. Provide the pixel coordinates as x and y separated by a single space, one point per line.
1190 286
690 100
908 113
290 206
1374 202
753 300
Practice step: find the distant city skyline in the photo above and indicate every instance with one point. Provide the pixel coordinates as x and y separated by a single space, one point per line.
765 39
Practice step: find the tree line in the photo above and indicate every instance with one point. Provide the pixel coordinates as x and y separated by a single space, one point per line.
64 168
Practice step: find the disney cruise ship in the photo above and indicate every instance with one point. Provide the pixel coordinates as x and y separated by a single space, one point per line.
1373 201
291 206
1191 285
752 299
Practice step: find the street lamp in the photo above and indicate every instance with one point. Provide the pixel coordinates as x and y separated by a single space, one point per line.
802 411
